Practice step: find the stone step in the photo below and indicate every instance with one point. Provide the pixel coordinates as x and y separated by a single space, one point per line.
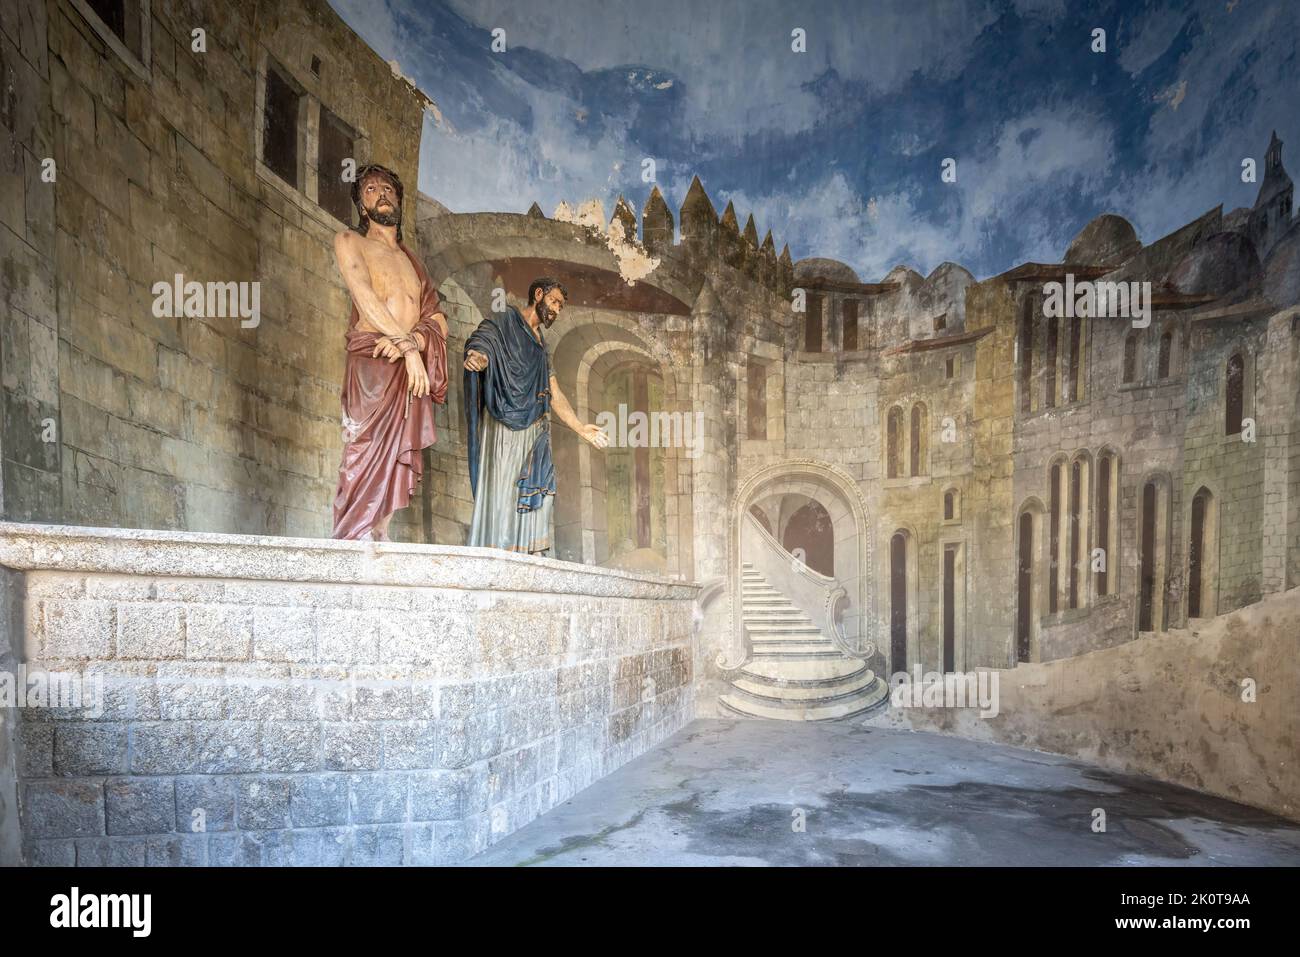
803 671
777 629
847 708
763 693
776 615
787 649
789 638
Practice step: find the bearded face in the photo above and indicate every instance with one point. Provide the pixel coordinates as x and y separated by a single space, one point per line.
379 201
549 306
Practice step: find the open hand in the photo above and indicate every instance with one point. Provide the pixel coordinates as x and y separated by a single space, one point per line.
594 436
387 348
476 361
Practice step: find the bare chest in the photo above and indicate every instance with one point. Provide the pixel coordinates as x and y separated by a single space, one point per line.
391 273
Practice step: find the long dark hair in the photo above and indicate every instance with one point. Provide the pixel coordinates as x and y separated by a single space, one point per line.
374 169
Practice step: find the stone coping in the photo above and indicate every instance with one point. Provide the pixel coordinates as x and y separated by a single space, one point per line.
146 552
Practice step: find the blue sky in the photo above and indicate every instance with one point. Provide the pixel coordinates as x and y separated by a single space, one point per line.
838 150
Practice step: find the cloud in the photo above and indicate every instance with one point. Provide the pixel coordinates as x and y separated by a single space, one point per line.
837 150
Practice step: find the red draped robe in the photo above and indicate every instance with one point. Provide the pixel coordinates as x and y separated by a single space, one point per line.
382 463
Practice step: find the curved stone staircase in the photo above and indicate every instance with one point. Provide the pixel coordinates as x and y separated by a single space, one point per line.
796 673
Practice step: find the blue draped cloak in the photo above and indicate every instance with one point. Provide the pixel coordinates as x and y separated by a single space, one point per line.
515 389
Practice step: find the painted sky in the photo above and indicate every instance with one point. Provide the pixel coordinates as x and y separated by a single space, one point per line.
838 150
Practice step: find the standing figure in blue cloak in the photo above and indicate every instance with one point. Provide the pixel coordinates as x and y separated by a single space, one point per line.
509 392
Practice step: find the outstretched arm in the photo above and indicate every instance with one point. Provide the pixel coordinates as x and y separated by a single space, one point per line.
592 434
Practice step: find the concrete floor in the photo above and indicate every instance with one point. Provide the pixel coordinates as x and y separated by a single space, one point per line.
729 792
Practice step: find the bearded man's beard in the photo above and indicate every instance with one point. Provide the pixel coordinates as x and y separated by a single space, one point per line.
544 313
393 217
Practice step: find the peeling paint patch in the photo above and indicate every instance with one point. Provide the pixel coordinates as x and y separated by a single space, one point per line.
633 261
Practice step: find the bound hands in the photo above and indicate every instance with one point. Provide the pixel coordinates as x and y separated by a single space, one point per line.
408 347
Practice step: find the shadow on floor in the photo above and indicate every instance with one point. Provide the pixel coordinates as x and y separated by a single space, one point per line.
772 793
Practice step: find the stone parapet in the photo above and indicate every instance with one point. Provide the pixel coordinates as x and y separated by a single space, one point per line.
252 700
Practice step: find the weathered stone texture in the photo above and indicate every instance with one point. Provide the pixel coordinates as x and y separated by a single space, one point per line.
327 753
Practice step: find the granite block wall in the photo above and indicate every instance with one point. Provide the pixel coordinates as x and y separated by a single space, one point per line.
277 701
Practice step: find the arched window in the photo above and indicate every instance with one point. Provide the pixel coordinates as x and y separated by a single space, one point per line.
1130 358
1202 556
918 445
1054 537
1074 387
1025 586
1107 511
1049 365
1153 526
1234 395
898 589
1166 354
1080 522
893 443
951 507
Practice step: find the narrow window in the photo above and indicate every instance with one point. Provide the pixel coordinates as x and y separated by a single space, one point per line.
1049 366
950 608
849 312
1025 586
1076 359
1166 350
918 439
1076 527
941 322
756 399
333 193
1147 559
950 367
1130 358
1195 551
893 439
1027 355
1103 523
113 13
1054 539
898 602
1235 396
280 127
812 336
949 511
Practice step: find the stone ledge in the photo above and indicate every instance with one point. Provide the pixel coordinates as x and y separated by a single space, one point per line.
126 551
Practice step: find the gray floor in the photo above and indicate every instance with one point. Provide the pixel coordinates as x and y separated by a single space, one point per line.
724 792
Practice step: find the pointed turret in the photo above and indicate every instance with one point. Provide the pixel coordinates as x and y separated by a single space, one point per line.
656 223
729 224
768 248
698 217
536 211
785 266
624 213
751 232
1271 215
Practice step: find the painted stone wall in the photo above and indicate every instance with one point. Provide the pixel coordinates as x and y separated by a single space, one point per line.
284 701
194 423
1170 706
